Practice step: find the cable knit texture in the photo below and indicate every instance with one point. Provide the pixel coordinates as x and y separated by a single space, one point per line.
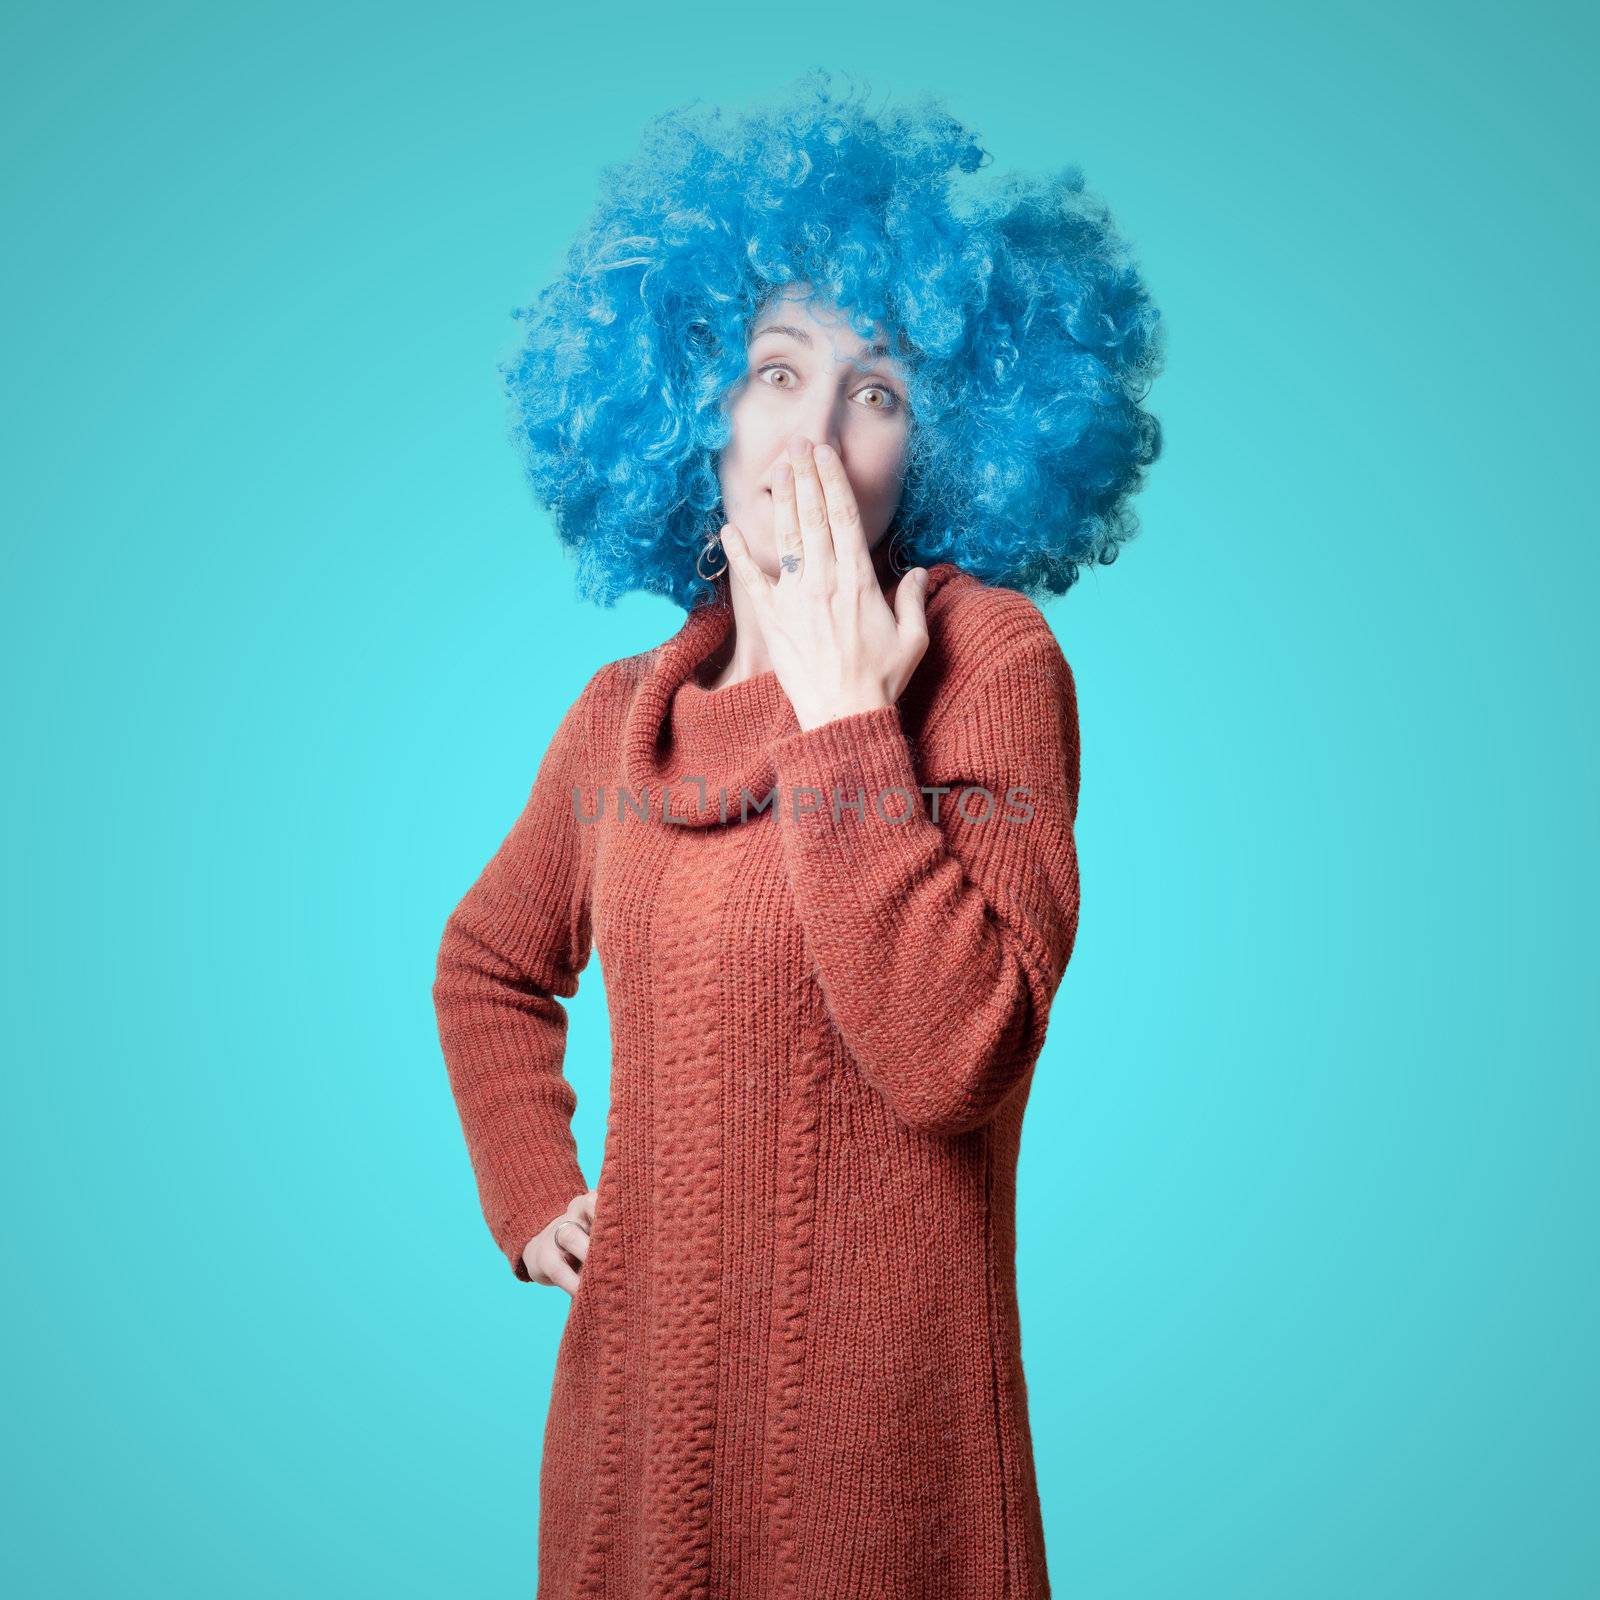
793 1364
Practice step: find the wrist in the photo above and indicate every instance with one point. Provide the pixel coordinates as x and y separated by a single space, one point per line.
817 716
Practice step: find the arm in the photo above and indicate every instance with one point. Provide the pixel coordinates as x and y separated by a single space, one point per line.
939 946
518 939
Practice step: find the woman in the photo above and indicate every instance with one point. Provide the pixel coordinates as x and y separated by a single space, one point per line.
822 838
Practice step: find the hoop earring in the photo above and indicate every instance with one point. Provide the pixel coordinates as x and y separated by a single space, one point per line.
897 554
713 543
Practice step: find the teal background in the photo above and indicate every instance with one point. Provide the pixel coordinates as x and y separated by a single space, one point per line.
1307 1260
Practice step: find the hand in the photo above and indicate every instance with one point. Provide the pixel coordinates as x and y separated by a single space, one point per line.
547 1260
835 644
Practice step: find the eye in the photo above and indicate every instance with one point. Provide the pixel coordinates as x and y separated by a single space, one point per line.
888 400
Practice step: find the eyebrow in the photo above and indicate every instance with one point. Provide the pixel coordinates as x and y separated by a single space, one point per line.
867 351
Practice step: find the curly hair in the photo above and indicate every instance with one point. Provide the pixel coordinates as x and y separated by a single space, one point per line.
1026 333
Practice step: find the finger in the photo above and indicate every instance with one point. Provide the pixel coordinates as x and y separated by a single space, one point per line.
910 608
786 522
557 1270
560 1252
547 1264
586 1204
743 565
813 508
573 1241
844 515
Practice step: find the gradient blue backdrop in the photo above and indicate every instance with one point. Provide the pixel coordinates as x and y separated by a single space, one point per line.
1307 1261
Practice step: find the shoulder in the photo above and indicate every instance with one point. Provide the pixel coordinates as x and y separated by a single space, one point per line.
609 700
612 685
984 638
586 713
973 619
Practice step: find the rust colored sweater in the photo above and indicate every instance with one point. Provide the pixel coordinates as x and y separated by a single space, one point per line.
793 1365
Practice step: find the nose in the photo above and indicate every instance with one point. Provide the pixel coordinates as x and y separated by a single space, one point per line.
820 422
817 433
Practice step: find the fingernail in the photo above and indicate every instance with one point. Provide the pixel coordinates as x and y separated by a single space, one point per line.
798 448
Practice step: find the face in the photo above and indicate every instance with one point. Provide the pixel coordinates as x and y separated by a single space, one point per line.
801 378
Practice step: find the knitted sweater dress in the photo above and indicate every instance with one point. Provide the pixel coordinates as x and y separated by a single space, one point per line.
792 1367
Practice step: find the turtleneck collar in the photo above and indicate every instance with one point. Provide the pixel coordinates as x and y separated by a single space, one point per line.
682 742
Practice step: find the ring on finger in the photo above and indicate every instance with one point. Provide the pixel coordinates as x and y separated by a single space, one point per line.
791 543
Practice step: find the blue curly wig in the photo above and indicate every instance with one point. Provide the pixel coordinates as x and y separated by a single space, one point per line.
1026 334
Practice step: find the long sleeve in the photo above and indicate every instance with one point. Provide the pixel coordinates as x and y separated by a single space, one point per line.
516 942
939 944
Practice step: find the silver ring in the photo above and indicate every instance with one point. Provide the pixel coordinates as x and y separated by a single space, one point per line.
555 1234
